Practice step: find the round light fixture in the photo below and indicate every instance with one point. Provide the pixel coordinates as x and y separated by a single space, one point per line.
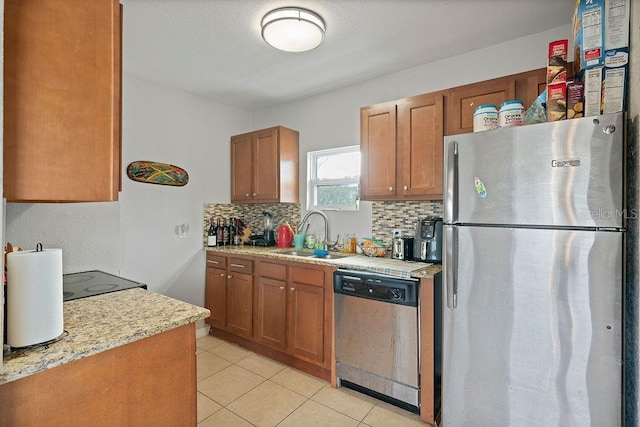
293 29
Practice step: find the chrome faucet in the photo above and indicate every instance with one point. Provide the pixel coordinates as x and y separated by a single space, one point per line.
325 242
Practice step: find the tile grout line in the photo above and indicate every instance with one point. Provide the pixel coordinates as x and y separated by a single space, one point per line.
248 391
361 422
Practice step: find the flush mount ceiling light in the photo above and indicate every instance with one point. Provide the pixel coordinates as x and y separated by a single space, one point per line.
292 29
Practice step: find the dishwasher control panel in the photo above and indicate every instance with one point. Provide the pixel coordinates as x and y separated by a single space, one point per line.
376 287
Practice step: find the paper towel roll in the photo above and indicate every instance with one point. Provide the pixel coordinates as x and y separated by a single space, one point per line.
34 297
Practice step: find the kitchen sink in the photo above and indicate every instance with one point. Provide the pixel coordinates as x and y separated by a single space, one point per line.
297 253
330 256
309 254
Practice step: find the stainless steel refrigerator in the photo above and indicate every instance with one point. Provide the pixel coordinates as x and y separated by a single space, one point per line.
533 275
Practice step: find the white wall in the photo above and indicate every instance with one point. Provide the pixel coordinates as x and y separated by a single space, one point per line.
333 119
171 126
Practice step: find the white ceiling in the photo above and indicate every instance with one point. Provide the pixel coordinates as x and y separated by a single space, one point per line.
214 48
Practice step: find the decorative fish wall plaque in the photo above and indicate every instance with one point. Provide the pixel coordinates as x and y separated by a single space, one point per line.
157 173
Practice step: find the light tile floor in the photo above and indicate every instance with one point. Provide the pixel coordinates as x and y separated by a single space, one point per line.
237 388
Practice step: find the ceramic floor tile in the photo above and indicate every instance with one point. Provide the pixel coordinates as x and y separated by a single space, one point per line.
224 418
266 405
227 385
208 341
208 364
385 415
206 407
313 414
260 365
299 382
230 352
348 402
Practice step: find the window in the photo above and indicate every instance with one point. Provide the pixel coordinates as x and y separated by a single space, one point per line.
334 179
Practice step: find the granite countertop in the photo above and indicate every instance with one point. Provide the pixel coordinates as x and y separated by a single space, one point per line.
386 265
100 323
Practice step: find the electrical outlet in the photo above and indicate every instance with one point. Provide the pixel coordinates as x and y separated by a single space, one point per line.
397 233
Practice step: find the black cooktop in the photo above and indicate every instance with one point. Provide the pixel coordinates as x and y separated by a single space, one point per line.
94 282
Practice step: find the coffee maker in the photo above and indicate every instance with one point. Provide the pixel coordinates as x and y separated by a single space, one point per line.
427 244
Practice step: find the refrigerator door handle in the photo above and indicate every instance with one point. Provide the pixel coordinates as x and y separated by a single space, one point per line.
450 265
451 184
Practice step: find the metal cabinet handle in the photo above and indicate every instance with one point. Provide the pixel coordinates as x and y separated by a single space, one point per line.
238 265
390 188
281 288
221 274
406 188
246 194
255 194
229 276
212 262
292 289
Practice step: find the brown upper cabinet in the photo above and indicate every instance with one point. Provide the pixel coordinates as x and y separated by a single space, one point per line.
463 100
401 141
264 166
62 100
401 149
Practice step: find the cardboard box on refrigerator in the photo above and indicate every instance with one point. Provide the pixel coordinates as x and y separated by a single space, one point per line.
601 61
588 34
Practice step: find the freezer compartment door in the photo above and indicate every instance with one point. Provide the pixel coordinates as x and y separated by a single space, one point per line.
567 173
535 335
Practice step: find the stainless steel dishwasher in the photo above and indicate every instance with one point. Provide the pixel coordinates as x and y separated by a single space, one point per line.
377 336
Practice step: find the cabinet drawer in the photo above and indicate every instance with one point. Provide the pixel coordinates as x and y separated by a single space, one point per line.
308 276
274 271
241 265
216 261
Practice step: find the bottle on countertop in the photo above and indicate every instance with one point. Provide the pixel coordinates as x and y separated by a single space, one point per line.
212 234
219 233
232 231
346 246
225 233
352 244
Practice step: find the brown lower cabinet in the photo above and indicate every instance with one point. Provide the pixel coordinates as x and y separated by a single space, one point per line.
229 294
291 310
135 384
276 308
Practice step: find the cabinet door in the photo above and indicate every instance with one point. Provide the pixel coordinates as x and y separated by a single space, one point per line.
215 297
240 304
272 310
534 83
420 142
378 152
241 168
62 100
465 99
266 166
306 321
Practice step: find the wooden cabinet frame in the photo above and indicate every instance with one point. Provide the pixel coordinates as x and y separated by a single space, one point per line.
62 100
229 294
292 319
264 166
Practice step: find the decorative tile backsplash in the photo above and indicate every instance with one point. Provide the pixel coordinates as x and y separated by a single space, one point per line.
386 216
252 214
